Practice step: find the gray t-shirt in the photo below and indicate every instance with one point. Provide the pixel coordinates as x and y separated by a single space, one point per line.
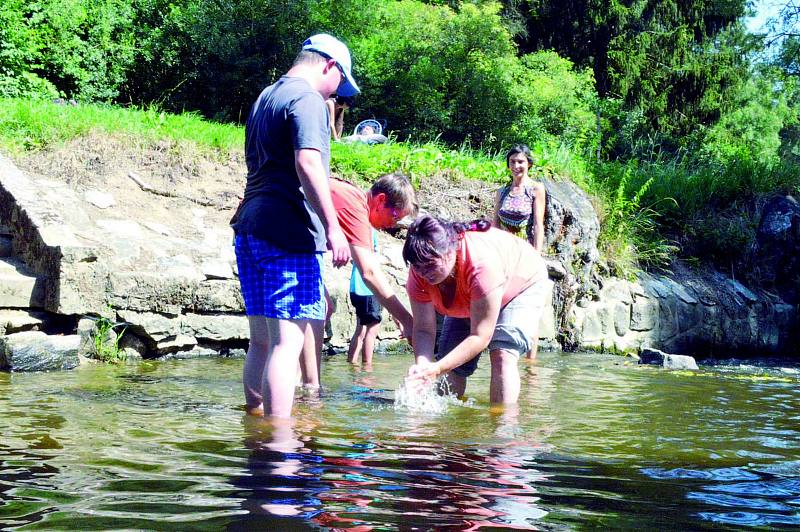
288 115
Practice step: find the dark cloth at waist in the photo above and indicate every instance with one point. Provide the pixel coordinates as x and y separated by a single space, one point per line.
281 221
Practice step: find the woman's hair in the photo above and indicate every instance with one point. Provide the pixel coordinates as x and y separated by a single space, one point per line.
399 192
520 148
430 238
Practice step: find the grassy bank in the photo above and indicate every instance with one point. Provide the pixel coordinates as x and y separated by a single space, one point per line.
27 125
650 212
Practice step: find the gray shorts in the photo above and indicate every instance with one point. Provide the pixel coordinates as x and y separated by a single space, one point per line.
516 327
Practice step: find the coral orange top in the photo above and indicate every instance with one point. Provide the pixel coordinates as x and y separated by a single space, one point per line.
352 211
484 261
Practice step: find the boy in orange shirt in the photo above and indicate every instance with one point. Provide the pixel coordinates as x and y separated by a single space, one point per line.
390 199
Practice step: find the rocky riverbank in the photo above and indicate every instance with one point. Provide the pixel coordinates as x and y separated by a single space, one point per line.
138 234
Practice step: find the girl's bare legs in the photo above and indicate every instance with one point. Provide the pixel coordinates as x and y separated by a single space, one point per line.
504 384
370 336
356 343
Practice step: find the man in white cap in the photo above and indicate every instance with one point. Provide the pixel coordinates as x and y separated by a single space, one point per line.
287 220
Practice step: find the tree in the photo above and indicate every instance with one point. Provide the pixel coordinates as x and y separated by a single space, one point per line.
661 58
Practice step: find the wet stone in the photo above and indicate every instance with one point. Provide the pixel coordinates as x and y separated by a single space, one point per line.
37 351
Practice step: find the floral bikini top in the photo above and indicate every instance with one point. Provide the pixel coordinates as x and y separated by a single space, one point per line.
515 209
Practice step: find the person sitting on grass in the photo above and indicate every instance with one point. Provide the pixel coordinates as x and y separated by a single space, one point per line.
368 317
489 285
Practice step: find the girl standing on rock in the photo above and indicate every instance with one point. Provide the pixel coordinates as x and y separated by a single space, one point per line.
489 286
519 206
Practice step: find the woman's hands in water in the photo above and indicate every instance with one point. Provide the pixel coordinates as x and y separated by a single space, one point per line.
424 372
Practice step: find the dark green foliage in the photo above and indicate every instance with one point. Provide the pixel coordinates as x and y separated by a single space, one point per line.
214 56
80 49
20 53
456 76
669 63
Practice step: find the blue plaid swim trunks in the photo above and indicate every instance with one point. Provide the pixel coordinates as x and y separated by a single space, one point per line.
279 284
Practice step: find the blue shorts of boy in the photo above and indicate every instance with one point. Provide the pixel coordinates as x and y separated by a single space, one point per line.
516 325
368 310
279 284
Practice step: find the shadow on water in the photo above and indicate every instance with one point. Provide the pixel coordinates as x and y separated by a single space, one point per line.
25 469
20 467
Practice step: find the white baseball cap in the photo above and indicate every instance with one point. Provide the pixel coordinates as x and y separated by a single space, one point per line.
331 47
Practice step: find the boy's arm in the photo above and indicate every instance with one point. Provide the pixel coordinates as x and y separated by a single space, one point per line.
312 175
367 263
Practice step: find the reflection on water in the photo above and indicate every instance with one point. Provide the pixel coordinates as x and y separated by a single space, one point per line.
594 442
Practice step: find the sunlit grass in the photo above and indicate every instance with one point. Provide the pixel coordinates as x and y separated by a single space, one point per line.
27 125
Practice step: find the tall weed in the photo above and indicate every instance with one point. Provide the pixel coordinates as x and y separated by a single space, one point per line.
628 236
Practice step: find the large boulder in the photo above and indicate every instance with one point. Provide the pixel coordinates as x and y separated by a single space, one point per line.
37 351
571 229
777 247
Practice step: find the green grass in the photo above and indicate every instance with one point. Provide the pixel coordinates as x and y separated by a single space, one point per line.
709 211
106 341
27 125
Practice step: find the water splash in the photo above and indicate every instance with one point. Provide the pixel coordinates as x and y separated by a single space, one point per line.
433 398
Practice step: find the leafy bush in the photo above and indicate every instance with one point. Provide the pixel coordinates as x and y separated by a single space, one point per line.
433 72
554 100
20 51
80 49
750 123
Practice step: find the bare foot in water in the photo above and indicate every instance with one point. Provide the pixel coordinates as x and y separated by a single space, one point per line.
255 410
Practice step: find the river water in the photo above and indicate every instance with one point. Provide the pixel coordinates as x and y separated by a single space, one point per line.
596 442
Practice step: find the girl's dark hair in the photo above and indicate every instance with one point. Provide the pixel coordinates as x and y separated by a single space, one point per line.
520 148
430 238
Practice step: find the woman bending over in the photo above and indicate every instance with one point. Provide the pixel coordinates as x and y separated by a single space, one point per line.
489 286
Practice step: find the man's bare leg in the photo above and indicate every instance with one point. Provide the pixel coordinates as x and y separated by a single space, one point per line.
277 384
254 364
